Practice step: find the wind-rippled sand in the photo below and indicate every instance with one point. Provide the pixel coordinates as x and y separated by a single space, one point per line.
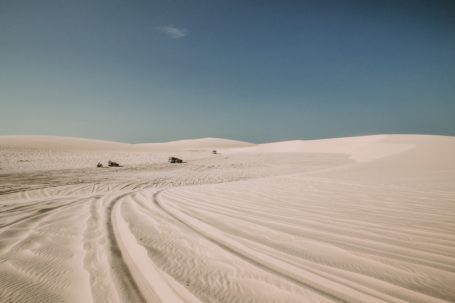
362 219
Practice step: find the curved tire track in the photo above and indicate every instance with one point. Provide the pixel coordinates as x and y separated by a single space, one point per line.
123 275
255 262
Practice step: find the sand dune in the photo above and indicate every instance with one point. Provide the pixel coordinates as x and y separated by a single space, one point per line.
27 153
363 148
360 219
58 143
204 143
70 143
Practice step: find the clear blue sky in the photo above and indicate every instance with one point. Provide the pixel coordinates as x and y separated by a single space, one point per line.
144 71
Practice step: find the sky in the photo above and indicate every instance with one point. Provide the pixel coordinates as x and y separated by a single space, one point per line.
260 71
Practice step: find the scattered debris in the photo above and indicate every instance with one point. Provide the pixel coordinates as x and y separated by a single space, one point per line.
175 160
112 164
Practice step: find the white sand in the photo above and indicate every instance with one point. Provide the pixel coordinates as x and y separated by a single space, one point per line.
360 219
358 148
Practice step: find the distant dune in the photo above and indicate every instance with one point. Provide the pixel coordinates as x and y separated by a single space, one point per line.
70 143
59 143
361 148
202 143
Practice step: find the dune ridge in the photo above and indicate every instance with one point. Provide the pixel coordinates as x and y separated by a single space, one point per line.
72 143
361 148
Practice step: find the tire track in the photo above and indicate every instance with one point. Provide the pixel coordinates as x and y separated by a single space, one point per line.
127 286
249 259
43 212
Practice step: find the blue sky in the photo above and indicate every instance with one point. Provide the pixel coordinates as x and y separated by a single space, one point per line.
145 71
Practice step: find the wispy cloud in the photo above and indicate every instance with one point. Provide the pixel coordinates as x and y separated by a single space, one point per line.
173 32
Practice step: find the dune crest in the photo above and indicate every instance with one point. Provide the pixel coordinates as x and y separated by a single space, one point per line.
72 143
203 143
362 148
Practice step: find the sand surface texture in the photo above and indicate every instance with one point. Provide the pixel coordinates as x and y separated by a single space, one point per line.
361 219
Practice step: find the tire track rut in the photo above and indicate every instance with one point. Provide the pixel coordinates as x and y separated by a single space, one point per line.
250 260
